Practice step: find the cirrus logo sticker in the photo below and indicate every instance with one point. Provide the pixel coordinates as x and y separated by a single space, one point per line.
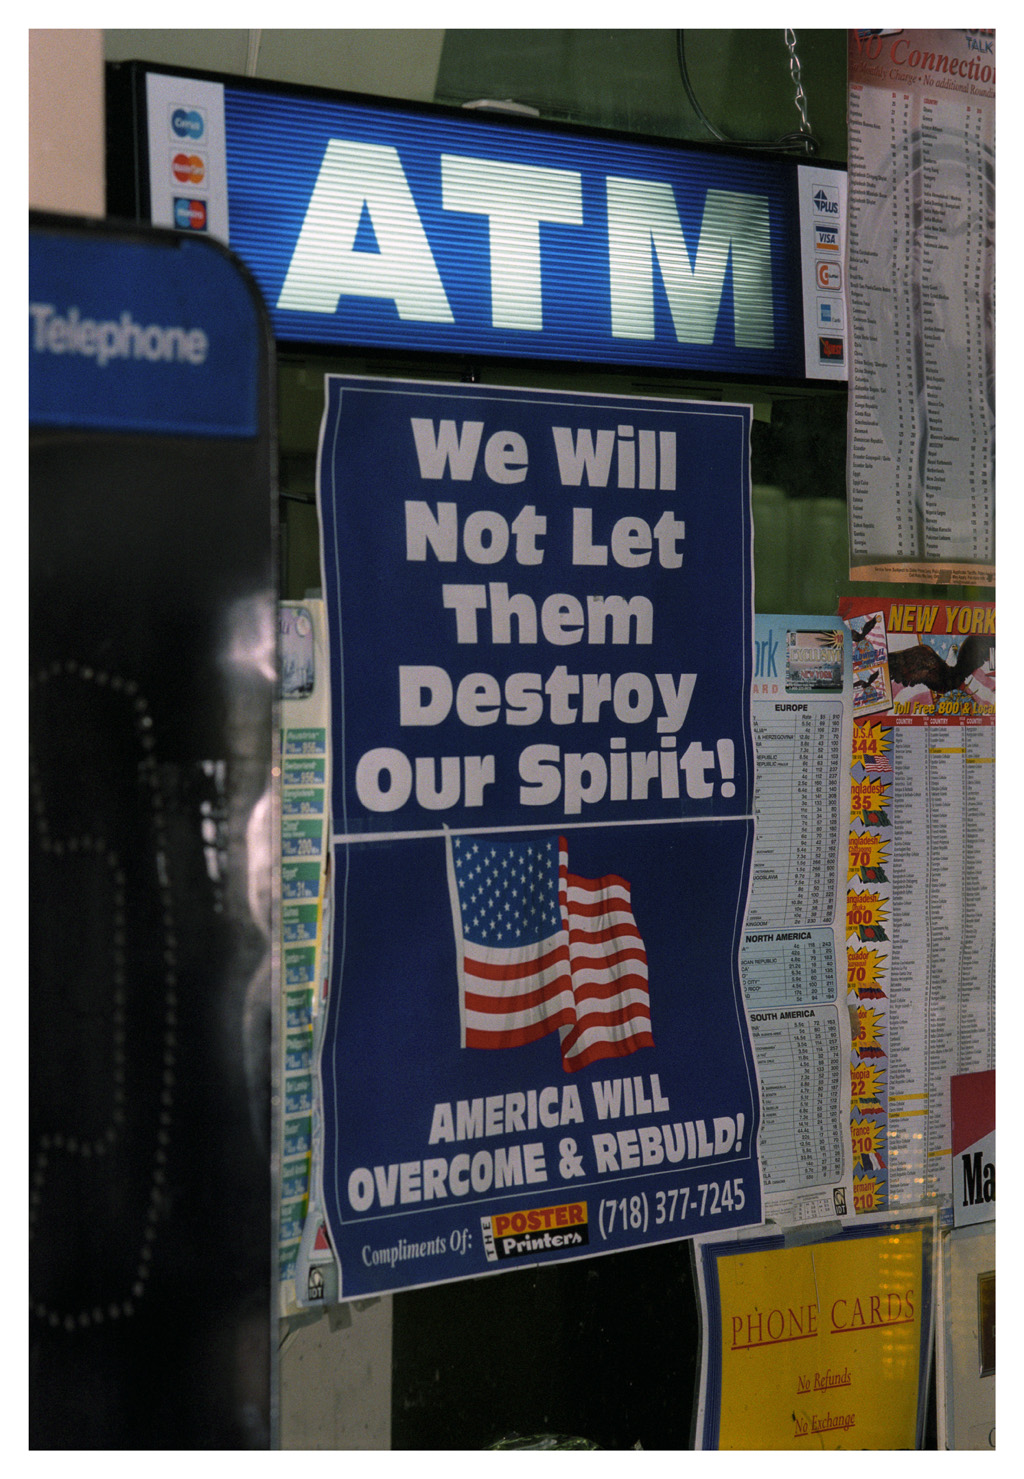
187 123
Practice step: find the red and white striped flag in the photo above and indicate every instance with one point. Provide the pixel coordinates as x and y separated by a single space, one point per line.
540 950
608 965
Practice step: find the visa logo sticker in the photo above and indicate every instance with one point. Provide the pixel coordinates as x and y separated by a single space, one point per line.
826 238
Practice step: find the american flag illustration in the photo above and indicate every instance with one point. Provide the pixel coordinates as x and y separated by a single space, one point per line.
542 950
879 764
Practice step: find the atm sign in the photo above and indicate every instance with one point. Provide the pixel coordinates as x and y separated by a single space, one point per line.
430 229
455 234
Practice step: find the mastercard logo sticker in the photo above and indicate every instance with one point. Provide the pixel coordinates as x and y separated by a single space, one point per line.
188 169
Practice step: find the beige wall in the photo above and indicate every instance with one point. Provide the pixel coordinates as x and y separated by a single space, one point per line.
65 122
388 63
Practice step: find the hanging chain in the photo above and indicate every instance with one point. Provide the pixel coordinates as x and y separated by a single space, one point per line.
801 138
794 72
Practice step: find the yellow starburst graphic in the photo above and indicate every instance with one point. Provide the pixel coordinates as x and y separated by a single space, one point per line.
866 1085
866 1138
870 1025
864 972
865 909
870 740
868 796
867 850
867 1194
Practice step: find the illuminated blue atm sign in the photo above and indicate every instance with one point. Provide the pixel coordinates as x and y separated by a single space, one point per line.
368 225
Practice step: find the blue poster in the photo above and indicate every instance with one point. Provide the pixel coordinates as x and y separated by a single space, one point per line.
539 609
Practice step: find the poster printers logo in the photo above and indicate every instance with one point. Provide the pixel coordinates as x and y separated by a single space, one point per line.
187 123
188 169
539 1230
189 215
826 201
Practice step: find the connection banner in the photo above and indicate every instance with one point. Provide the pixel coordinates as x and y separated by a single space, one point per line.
921 277
539 613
